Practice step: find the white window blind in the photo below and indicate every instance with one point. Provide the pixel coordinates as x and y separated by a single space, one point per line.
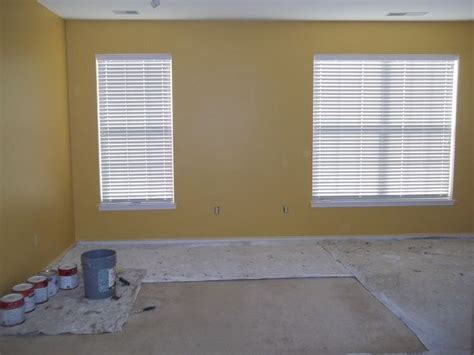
383 129
135 131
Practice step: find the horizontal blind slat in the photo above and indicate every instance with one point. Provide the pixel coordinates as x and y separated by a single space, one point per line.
383 126
135 128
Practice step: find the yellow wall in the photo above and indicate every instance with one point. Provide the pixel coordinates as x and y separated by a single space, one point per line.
2 265
242 116
472 125
36 181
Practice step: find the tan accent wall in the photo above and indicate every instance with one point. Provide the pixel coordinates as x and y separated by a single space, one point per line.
242 127
36 195
472 129
2 179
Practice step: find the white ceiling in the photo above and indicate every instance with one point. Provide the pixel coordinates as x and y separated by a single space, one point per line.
332 10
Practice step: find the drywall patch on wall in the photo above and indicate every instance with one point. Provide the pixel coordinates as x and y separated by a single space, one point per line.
36 196
242 127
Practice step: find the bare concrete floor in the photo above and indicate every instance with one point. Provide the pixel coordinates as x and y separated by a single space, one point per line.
304 316
427 282
221 260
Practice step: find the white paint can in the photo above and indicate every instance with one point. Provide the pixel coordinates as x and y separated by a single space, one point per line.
28 292
68 276
40 284
52 276
12 308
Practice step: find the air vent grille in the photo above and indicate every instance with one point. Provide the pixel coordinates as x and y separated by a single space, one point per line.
125 12
413 13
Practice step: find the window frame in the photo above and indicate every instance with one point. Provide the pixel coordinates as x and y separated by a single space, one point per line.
138 204
392 201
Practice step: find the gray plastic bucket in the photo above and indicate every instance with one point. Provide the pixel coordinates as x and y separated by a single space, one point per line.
98 267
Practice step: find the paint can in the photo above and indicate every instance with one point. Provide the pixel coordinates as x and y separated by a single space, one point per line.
40 284
28 292
12 308
68 276
98 268
52 276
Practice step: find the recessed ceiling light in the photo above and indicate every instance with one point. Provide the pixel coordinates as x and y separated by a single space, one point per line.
125 12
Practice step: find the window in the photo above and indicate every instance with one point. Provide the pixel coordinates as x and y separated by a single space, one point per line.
383 130
134 94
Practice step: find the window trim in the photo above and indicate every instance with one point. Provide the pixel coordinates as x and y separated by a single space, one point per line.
386 202
392 201
134 205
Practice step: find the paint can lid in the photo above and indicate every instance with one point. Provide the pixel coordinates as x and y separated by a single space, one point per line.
48 272
37 279
12 301
22 287
67 266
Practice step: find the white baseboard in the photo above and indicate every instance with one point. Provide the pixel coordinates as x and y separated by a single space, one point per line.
283 239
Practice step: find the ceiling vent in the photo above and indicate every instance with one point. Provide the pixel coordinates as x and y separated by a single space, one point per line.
413 13
125 12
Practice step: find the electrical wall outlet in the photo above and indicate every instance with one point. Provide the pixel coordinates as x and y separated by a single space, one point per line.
285 209
217 210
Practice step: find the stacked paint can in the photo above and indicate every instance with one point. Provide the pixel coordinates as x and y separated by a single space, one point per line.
52 276
99 282
68 278
40 286
28 292
13 309
36 290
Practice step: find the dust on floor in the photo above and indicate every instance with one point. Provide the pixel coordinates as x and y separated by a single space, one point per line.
427 282
221 260
304 316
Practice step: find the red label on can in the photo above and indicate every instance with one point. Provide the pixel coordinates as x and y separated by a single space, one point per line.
67 272
39 284
26 292
12 305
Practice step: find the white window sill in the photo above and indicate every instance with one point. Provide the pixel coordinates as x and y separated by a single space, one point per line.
136 206
316 203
